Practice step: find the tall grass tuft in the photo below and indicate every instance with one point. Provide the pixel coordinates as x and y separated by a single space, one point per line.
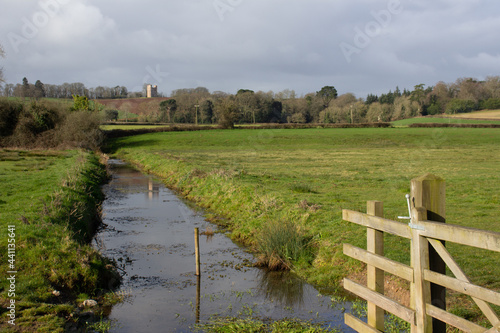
302 188
280 244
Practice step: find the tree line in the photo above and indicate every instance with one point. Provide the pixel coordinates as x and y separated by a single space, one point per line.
199 105
65 90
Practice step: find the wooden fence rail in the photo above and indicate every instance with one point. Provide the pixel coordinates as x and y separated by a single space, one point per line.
426 274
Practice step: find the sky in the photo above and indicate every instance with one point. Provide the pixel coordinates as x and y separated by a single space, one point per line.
359 46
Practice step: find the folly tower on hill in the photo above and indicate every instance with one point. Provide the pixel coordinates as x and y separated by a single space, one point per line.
151 91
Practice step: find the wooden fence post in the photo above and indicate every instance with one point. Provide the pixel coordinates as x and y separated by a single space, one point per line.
197 249
375 276
421 292
428 191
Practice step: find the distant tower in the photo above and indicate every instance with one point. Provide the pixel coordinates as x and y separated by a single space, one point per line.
151 91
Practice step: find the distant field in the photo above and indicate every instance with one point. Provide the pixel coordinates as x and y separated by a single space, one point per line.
446 120
129 127
484 114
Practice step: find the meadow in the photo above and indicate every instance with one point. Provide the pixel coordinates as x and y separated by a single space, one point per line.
477 117
247 179
442 120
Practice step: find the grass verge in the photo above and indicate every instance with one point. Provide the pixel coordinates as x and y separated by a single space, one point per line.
248 325
52 200
249 177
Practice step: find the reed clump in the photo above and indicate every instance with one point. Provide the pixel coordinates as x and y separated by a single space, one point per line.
281 244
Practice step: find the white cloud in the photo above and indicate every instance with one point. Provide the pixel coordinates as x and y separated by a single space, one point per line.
76 23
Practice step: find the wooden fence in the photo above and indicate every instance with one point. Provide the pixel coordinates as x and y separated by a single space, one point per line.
427 272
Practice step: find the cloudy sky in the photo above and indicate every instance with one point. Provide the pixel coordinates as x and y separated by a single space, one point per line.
358 46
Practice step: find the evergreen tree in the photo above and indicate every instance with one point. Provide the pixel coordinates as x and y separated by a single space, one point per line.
39 89
26 88
327 93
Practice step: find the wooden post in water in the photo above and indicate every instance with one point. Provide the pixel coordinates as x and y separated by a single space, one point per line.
197 249
375 276
428 191
198 296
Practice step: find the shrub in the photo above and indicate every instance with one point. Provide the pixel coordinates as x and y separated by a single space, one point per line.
80 103
9 116
33 120
80 129
280 244
460 106
491 104
110 115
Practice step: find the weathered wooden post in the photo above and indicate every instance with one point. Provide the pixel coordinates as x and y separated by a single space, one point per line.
428 191
375 276
197 249
420 289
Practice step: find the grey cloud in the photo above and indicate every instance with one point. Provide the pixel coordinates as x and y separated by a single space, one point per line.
261 45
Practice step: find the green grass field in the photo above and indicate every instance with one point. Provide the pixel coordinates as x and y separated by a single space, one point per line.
51 198
308 176
482 114
129 127
442 120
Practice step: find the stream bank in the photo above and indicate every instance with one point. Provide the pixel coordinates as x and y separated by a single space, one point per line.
149 232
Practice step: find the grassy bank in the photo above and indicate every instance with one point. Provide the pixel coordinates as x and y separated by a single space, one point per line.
307 176
52 199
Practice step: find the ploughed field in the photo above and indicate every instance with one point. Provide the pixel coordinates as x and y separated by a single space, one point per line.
307 176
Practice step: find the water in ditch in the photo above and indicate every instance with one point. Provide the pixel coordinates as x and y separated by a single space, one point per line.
149 231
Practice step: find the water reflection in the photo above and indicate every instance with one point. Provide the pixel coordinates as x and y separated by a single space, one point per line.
282 287
153 189
198 297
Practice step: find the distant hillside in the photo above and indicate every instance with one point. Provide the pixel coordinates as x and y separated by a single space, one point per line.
478 117
484 114
134 105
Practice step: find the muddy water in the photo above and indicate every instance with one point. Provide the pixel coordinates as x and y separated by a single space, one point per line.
149 232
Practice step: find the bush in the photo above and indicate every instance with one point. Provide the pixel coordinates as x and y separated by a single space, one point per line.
80 129
48 124
434 109
110 115
461 106
491 104
9 116
34 126
280 244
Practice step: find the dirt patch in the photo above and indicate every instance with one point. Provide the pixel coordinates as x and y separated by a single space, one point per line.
134 105
395 288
